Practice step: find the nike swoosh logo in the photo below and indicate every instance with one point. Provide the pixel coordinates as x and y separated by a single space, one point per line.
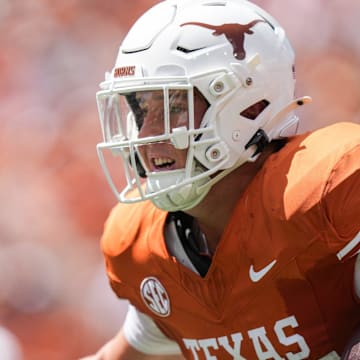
255 276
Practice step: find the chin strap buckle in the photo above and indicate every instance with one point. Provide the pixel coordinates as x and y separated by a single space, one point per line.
260 140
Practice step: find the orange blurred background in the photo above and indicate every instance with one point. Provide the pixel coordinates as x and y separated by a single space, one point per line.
55 302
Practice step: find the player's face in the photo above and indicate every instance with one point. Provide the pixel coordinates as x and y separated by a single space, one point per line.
164 156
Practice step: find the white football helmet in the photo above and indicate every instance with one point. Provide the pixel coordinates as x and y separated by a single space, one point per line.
232 54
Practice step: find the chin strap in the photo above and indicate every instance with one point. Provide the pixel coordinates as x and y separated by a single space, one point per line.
294 104
260 140
291 107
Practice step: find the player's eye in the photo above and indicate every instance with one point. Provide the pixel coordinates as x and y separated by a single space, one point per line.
177 108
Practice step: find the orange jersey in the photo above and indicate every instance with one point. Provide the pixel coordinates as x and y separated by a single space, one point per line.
281 282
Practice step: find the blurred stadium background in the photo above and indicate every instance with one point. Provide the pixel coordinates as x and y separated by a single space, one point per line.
55 302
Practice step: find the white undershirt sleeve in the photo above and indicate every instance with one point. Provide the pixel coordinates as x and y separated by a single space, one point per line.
143 334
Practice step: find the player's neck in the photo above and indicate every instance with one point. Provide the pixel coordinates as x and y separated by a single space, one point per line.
214 212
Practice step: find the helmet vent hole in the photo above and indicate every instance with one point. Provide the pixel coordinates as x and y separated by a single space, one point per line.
253 111
218 3
185 51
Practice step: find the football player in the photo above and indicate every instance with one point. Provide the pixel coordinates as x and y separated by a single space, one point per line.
234 237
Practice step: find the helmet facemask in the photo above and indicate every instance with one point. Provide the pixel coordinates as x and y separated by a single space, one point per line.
155 132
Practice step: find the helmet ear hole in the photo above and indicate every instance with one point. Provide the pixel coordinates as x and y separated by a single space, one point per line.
253 111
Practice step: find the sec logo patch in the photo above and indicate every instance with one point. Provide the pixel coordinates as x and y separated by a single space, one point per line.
155 296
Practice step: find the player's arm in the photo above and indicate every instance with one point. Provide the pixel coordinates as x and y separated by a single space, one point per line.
342 203
139 339
119 348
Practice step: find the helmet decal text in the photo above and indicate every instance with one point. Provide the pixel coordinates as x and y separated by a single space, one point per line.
124 71
234 33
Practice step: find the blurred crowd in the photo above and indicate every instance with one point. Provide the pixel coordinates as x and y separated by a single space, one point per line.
55 302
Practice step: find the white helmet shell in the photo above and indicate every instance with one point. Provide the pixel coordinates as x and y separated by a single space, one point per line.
238 57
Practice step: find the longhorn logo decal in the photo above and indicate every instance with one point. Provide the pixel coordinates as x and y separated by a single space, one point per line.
234 33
